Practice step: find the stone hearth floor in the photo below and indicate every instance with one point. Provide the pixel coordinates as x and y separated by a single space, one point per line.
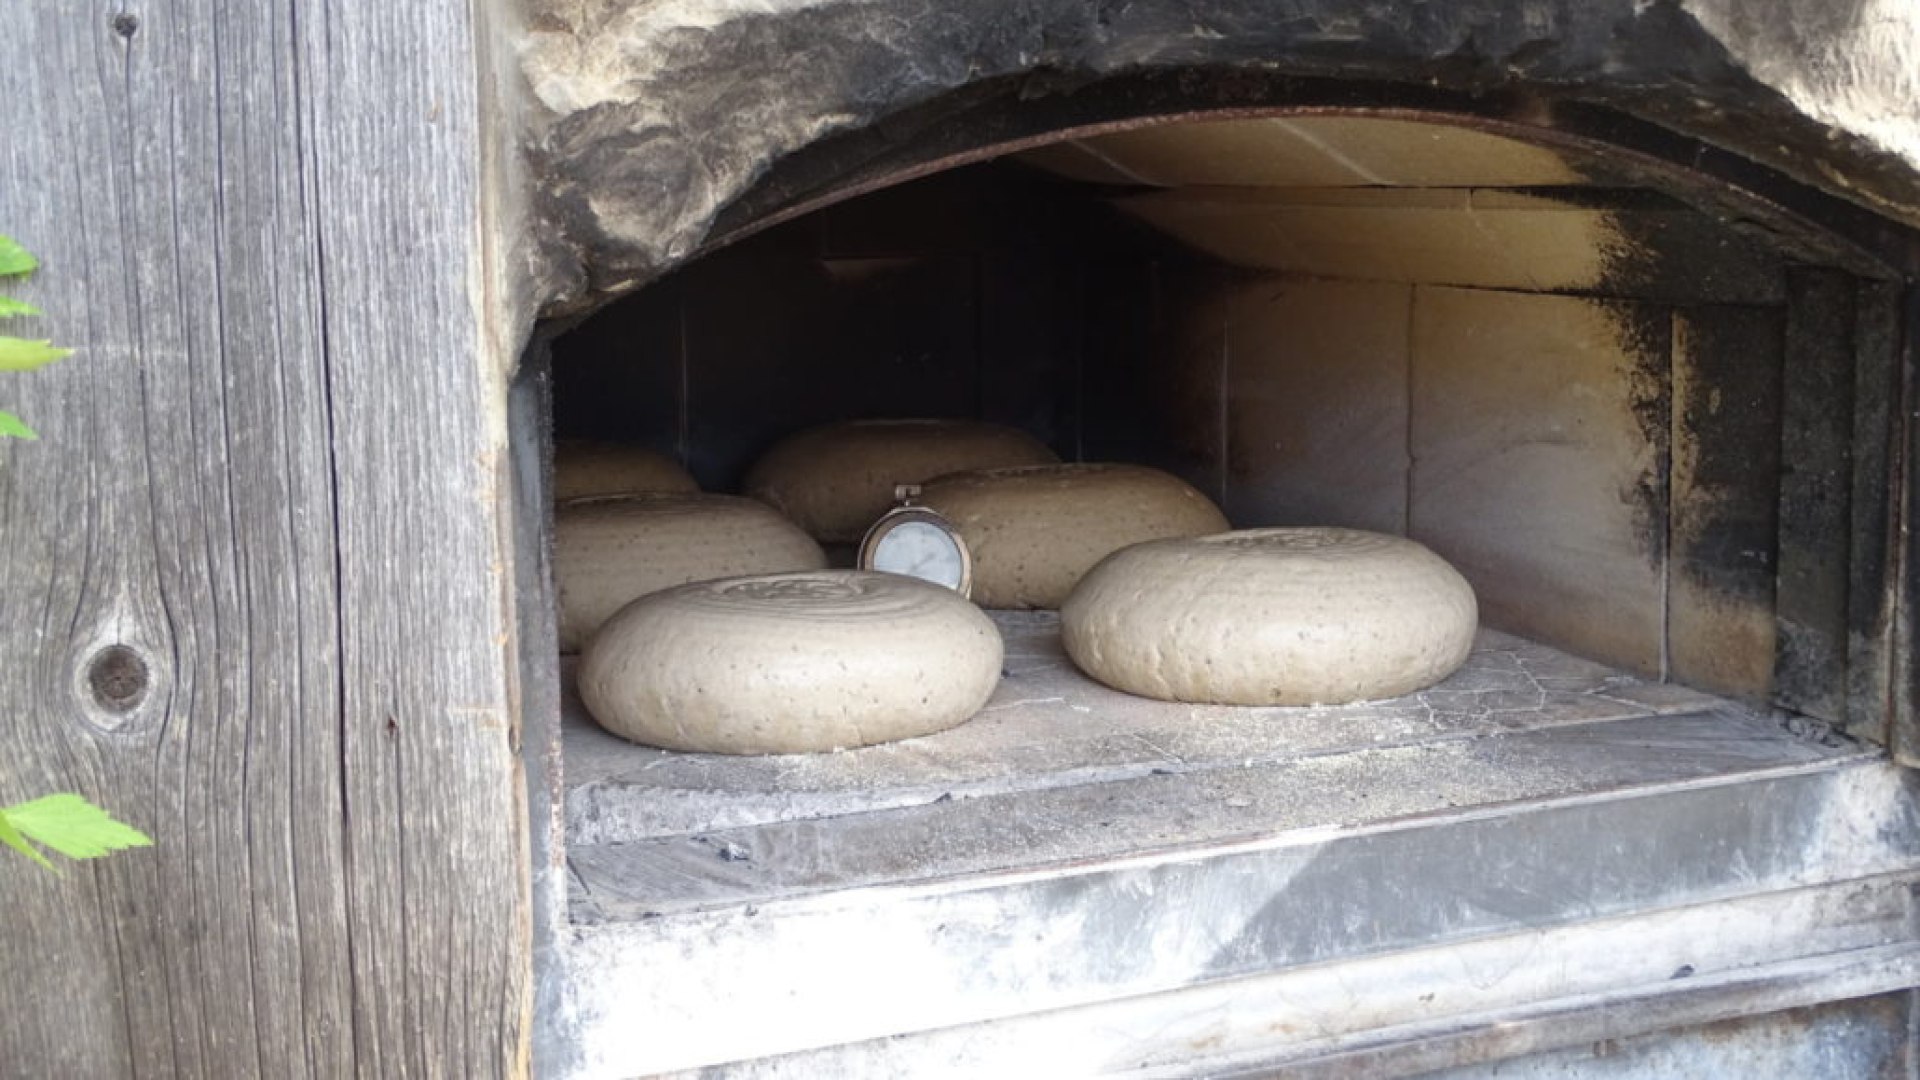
1059 770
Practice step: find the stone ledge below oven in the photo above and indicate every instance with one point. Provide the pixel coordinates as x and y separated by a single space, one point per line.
1254 889
1048 727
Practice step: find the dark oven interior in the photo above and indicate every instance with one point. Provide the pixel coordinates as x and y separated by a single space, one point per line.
1651 429
1650 434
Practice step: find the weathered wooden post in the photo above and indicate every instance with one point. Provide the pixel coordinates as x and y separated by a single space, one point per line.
272 586
256 575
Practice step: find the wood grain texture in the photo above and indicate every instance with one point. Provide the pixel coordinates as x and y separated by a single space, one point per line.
1904 736
1723 520
1872 557
1816 489
1317 404
1545 481
530 420
273 470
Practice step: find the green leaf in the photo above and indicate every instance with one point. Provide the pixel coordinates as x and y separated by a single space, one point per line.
14 259
10 307
11 837
73 826
19 354
12 427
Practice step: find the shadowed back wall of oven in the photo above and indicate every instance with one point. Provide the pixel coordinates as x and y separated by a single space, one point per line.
1648 435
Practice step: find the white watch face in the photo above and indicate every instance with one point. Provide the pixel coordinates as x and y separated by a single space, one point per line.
922 550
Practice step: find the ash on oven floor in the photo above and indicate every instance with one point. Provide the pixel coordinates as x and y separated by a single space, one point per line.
1059 769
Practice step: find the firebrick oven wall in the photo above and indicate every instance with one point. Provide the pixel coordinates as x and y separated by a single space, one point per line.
1630 424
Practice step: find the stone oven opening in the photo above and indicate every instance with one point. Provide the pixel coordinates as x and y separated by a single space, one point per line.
1651 422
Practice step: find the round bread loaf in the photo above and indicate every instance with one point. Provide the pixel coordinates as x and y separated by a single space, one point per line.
1315 616
837 480
583 468
610 549
791 663
1034 531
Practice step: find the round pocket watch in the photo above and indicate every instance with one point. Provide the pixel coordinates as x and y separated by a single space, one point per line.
918 542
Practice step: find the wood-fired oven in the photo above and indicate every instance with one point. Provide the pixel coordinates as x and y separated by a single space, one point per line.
1611 303
1654 418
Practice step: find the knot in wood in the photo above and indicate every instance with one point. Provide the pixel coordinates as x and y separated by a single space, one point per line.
126 25
118 676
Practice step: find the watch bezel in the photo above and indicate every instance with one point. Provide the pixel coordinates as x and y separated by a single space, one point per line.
901 515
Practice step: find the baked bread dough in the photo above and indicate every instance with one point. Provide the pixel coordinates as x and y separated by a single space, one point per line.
610 549
1034 531
836 481
1317 616
583 468
791 663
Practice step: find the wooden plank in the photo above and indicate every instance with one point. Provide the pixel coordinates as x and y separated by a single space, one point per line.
269 482
1816 478
778 340
529 422
1121 301
1317 403
1904 736
435 822
1186 381
1027 238
1540 441
1477 238
180 508
1029 339
622 374
1724 498
1323 151
1870 603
